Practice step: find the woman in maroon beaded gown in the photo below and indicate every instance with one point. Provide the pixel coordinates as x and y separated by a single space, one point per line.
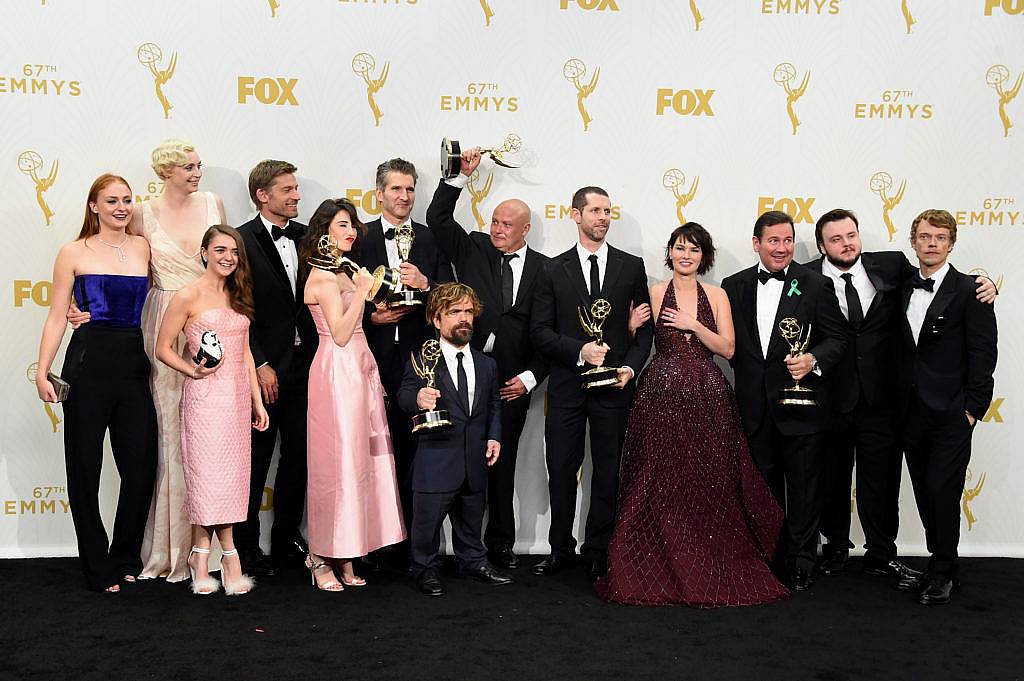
696 523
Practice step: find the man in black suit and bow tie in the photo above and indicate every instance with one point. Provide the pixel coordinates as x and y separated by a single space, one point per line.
449 474
392 333
785 441
503 271
946 383
571 282
862 396
283 340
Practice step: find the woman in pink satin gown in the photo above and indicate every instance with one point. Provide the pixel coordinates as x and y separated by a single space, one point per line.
352 504
219 404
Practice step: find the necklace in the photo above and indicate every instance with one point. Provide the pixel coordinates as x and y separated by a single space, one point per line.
117 247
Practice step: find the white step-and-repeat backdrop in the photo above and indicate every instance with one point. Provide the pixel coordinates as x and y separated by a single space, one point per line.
705 110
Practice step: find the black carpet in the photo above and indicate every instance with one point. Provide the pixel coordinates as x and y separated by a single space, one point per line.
847 627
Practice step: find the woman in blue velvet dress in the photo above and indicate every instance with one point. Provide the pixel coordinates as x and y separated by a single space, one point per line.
106 270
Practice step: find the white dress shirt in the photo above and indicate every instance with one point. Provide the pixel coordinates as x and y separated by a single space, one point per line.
390 245
289 258
286 249
920 299
865 289
768 296
602 263
449 351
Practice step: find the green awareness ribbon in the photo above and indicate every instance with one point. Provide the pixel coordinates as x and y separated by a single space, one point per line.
793 288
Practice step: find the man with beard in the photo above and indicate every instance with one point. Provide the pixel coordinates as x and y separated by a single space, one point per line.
504 271
393 332
283 341
572 282
862 389
449 471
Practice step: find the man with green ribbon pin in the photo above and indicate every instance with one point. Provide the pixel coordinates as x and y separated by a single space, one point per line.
786 443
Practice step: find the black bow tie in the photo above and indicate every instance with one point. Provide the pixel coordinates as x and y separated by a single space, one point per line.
926 284
291 231
763 276
389 234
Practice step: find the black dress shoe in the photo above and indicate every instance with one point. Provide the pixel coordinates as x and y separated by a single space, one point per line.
597 568
430 583
892 568
488 575
504 557
834 562
255 563
912 583
556 562
936 591
800 579
289 553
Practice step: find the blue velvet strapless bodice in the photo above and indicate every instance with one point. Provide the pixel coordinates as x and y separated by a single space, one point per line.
112 299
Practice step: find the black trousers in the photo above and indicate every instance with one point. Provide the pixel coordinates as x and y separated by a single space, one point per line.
938 448
791 464
109 375
564 432
466 510
865 435
501 477
287 417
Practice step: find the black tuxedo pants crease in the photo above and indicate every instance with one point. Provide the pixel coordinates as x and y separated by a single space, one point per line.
866 436
938 449
466 510
501 477
564 432
792 466
287 419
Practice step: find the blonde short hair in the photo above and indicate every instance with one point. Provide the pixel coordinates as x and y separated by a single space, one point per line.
169 153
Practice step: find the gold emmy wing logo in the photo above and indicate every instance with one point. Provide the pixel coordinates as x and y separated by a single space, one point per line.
697 18
274 6
784 75
30 162
479 194
996 77
970 494
908 18
674 180
488 12
30 374
151 56
363 64
880 183
982 272
574 70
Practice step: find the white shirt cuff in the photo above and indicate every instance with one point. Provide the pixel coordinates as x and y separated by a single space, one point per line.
489 345
459 181
529 380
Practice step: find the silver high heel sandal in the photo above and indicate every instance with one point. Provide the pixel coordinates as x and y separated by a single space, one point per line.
243 584
333 585
207 585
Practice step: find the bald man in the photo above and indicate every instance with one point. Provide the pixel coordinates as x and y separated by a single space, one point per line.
503 271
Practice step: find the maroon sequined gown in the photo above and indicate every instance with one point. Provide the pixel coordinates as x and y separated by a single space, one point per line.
696 524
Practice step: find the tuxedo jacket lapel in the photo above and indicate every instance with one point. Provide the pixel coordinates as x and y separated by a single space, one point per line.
750 284
531 267
574 272
941 300
478 372
612 270
447 386
788 305
266 243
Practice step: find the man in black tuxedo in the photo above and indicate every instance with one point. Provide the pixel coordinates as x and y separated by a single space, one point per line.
946 383
588 271
785 441
392 333
449 474
283 340
503 271
862 396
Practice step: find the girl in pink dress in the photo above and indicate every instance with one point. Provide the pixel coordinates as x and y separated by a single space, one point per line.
220 402
352 504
